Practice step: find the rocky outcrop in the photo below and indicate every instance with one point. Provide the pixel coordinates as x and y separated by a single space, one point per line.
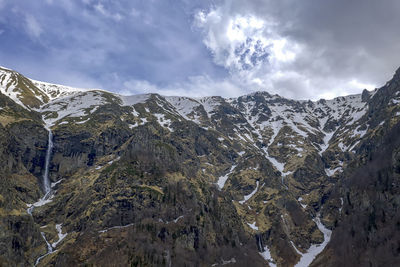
367 232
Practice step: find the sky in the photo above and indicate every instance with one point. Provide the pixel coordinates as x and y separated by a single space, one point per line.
308 49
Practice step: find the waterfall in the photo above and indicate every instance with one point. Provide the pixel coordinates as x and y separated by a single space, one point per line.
46 180
48 195
259 243
49 250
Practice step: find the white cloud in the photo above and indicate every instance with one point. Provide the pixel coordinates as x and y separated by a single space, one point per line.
33 27
196 86
102 10
242 42
236 43
260 54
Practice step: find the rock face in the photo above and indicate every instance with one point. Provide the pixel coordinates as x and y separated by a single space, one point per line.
149 180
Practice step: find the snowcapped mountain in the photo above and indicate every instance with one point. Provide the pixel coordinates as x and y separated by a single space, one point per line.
258 177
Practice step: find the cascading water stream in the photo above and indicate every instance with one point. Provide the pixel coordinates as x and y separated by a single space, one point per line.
47 192
46 180
49 249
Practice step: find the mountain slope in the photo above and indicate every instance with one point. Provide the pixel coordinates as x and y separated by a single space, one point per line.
169 180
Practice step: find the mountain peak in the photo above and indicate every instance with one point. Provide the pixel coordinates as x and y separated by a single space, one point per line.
396 75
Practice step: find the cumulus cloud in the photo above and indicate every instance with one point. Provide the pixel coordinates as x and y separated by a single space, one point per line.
304 49
242 42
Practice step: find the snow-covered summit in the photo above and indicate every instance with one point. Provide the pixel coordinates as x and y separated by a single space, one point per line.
54 91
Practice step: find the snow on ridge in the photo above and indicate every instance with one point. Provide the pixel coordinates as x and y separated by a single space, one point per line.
209 103
8 86
75 105
133 99
351 107
4 68
184 106
54 91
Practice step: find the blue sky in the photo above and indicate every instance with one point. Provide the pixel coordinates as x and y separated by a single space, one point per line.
298 49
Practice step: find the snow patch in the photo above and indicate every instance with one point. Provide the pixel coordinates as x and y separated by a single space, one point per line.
314 250
331 172
134 99
395 101
116 227
241 153
185 107
266 254
82 122
247 197
73 106
341 205
222 180
61 236
300 199
253 226
163 121
56 183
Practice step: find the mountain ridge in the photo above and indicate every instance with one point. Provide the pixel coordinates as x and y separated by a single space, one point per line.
257 177
77 89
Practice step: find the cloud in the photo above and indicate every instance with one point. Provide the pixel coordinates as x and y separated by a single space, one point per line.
298 49
304 49
196 86
33 27
239 42
156 42
106 13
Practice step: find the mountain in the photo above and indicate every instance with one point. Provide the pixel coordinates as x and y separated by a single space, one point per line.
90 177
